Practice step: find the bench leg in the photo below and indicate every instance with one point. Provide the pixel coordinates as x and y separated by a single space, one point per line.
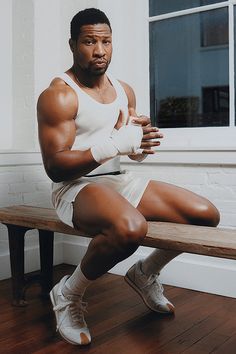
46 260
16 235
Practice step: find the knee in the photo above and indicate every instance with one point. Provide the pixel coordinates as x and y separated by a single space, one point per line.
207 214
130 230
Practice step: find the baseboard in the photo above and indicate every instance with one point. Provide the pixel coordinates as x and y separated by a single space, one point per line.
200 273
208 274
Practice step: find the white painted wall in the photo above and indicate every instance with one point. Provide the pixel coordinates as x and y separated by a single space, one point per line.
130 63
22 178
23 181
6 74
34 40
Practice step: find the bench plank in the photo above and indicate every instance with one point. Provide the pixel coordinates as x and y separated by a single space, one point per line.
19 219
218 242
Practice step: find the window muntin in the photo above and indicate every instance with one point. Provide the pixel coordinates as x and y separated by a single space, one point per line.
159 7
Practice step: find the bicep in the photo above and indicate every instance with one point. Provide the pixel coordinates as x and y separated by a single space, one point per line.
55 138
56 124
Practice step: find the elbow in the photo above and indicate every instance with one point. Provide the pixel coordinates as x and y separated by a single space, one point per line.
55 178
53 172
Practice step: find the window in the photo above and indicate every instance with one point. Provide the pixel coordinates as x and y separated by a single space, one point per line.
214 29
215 106
158 7
192 67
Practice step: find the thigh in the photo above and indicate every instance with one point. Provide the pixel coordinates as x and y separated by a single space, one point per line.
98 207
166 202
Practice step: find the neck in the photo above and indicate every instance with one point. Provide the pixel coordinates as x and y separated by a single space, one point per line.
87 81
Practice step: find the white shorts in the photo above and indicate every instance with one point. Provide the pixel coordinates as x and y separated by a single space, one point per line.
130 186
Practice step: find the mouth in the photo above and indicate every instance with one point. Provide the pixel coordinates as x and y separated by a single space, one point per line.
100 63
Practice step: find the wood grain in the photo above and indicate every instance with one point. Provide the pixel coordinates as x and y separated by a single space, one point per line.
120 323
203 240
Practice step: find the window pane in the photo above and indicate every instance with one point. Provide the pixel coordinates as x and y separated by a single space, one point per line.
189 84
158 7
214 29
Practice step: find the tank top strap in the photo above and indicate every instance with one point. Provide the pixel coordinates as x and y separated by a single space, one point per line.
116 84
118 87
68 80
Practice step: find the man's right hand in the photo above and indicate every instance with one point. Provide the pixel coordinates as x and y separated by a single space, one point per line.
125 139
128 139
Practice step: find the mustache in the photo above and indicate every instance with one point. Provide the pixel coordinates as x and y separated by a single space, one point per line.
100 61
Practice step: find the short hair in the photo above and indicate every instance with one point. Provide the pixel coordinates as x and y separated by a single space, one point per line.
89 16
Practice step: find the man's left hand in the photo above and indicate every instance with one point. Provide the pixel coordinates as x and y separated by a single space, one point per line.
150 133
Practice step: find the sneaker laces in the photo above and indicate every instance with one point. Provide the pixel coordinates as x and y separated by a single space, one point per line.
153 280
76 307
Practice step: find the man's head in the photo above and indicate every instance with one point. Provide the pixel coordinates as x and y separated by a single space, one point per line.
90 16
91 42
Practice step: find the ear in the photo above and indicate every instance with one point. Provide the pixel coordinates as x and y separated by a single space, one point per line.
72 45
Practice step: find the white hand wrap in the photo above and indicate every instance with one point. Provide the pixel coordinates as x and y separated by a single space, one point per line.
128 139
125 141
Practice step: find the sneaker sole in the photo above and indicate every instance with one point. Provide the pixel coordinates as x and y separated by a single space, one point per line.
84 339
138 291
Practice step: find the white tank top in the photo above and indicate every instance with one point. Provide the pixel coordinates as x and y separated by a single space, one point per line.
95 121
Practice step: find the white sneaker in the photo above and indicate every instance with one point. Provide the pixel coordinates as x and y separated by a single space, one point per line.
69 312
149 288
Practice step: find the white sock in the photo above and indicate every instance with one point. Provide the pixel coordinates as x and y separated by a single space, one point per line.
76 284
154 263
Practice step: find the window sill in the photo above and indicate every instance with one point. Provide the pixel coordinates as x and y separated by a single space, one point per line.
163 156
190 157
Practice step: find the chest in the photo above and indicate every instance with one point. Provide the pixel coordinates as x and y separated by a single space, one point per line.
105 95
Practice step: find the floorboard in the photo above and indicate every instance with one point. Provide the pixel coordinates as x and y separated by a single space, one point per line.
120 323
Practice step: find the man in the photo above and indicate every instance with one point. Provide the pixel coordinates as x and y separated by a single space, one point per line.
86 121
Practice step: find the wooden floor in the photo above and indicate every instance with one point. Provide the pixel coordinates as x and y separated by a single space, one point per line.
120 323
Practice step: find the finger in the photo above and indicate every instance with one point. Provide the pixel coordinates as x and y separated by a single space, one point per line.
142 120
148 151
152 135
149 144
148 129
120 121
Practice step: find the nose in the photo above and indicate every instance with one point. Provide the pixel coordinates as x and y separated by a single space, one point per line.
99 49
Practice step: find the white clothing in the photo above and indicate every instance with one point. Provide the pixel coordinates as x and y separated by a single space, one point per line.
127 184
94 122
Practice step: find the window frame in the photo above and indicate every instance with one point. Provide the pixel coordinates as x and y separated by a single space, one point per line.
207 138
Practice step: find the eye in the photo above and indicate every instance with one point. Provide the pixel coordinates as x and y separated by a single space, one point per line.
107 42
89 42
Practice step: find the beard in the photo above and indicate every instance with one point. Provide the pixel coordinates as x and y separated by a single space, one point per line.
97 71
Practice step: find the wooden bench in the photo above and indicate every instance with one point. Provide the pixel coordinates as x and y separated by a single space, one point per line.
202 240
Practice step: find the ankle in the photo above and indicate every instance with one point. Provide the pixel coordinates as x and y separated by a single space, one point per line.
148 269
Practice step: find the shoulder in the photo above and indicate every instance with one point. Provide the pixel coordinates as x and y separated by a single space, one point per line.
130 93
59 101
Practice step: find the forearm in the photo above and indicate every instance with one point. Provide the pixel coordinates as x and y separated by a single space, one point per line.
70 164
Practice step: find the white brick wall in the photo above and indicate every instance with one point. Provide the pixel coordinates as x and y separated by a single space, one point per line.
25 185
216 183
30 185
25 182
